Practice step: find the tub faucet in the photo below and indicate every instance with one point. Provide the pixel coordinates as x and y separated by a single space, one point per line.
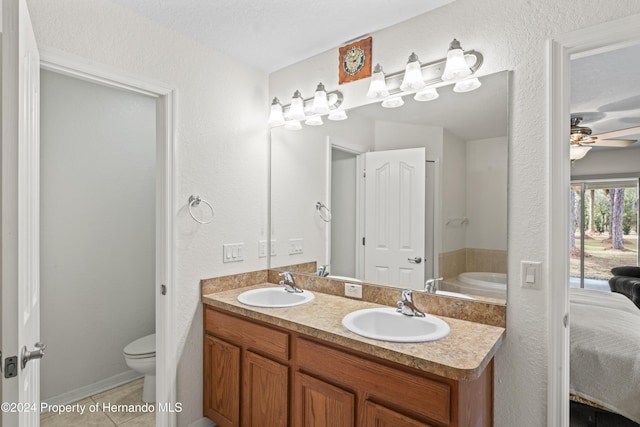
289 283
431 285
323 270
406 307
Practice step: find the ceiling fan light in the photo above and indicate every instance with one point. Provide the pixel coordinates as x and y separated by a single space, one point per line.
276 117
467 85
428 94
456 67
320 101
578 151
393 102
337 115
413 79
296 111
378 85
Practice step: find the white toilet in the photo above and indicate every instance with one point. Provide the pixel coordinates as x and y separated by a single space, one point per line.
140 356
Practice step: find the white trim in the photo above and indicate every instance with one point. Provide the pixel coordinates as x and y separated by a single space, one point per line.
94 388
166 362
203 422
589 41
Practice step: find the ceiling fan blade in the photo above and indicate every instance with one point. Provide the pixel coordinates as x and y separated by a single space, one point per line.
612 142
619 133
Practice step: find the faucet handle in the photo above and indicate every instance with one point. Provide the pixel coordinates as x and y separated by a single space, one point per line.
431 285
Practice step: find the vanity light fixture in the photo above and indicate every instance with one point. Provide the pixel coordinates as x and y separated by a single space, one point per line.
413 79
296 112
424 79
378 85
427 94
467 85
320 101
309 110
276 117
456 67
337 115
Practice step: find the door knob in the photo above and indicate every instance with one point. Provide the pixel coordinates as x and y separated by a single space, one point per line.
38 353
416 260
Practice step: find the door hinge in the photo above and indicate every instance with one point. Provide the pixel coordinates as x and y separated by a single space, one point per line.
363 241
163 289
565 319
11 367
364 174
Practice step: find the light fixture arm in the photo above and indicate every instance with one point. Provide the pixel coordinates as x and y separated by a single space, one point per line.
431 71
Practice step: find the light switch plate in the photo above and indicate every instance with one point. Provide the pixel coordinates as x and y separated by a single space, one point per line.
232 252
530 274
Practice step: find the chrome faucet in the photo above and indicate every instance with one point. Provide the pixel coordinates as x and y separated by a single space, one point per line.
406 307
289 283
323 270
431 285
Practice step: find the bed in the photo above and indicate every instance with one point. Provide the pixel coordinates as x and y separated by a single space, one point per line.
605 351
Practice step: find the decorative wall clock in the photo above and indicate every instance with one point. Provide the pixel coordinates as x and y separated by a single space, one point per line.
355 61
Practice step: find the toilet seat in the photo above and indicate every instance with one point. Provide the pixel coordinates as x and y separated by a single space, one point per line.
141 348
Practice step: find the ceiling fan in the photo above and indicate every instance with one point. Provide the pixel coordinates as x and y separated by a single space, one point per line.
582 140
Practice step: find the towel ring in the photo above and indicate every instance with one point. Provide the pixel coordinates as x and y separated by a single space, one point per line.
324 212
195 200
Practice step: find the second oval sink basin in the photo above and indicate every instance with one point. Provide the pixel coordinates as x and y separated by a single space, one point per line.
274 298
386 324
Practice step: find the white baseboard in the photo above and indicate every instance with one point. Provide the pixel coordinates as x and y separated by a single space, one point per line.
203 422
94 388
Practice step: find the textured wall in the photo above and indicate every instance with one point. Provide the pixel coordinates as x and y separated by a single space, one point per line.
221 143
97 216
512 36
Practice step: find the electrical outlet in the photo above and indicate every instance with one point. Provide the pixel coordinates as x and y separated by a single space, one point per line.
296 246
233 252
262 249
273 247
352 290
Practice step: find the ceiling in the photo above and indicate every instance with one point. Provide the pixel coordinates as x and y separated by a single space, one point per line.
273 34
605 91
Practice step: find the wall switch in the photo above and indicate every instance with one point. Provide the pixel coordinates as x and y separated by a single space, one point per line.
273 247
262 249
352 290
296 246
530 274
232 252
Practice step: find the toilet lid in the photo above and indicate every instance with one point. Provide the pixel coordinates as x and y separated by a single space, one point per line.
142 346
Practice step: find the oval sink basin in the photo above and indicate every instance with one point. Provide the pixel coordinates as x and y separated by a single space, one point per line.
274 298
386 324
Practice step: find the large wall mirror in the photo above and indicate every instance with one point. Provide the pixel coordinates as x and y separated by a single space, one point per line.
399 196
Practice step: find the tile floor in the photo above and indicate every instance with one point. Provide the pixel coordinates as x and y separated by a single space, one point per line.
127 394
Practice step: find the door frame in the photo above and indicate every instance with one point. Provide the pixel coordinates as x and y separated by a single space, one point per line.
560 51
166 362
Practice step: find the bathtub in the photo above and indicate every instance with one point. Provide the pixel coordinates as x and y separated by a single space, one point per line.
485 280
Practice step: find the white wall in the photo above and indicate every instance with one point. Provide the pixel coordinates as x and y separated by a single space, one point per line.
344 178
221 145
97 225
453 205
511 34
486 193
613 161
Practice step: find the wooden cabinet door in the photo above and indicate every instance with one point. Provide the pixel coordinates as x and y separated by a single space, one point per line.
221 382
379 416
319 404
265 400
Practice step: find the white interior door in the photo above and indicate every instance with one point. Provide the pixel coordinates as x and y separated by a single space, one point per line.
395 217
20 214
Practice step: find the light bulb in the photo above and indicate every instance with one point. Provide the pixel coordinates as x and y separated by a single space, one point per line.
275 116
456 67
428 94
320 103
467 85
378 85
412 80
337 115
296 111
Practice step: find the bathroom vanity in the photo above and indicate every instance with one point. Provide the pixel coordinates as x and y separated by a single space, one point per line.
299 366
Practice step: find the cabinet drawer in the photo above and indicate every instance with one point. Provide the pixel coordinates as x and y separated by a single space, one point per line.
423 397
251 335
